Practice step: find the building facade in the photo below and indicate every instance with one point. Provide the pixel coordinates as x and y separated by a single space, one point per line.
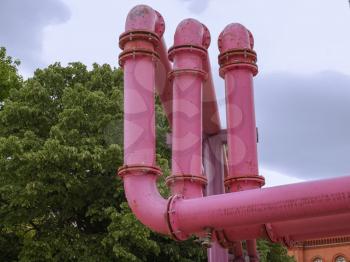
335 249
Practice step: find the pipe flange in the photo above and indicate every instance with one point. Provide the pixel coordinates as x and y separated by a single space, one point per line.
259 180
138 169
173 220
233 58
133 53
240 54
134 35
192 178
197 72
202 51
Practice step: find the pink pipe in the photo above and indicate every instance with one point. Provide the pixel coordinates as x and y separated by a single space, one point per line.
240 114
267 205
211 118
238 252
252 250
183 217
291 231
139 116
191 41
163 86
235 45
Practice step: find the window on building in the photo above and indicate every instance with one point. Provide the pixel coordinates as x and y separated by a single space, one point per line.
340 259
318 259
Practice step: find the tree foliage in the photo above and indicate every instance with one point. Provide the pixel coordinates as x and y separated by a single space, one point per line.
60 146
273 252
8 74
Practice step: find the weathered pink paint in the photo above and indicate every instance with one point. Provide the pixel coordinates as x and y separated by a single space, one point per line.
188 54
293 212
236 50
290 231
139 118
234 41
212 161
267 205
252 250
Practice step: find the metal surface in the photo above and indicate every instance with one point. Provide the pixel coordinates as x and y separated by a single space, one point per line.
213 168
285 213
237 66
188 54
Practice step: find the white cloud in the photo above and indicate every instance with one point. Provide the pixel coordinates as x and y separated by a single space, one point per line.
275 178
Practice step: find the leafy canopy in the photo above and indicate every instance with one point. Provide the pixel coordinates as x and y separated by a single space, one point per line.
60 146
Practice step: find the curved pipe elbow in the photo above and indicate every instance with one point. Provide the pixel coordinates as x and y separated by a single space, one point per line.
192 32
144 17
145 201
235 35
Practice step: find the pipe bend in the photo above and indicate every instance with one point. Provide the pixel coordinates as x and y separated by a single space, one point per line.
146 203
235 36
192 32
144 17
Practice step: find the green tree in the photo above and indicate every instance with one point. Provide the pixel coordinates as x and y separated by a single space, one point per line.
273 252
8 75
60 146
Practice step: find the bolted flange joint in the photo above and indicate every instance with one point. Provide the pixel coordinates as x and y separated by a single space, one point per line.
137 43
238 58
173 220
186 177
138 169
256 181
188 48
196 72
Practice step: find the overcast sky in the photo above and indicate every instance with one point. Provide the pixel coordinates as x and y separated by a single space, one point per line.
302 92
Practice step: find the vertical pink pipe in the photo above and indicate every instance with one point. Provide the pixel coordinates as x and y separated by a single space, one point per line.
237 67
238 252
234 42
190 43
144 29
213 168
139 132
252 250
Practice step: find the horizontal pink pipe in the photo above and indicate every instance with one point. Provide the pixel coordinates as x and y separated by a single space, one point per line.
295 230
314 228
257 206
